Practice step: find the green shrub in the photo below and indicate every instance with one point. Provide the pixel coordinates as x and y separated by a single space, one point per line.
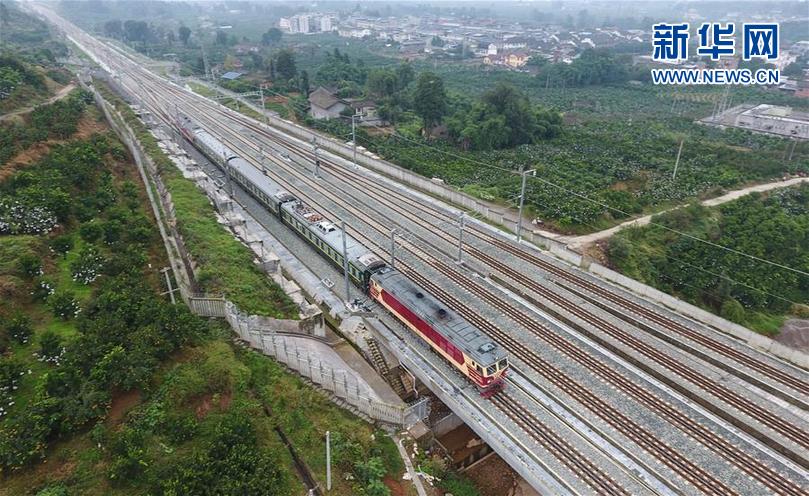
19 328
62 244
63 305
30 265
50 345
733 311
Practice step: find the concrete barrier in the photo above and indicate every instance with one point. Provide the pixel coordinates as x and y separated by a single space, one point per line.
739 332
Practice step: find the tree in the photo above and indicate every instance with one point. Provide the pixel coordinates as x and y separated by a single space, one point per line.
136 31
272 36
4 14
221 38
62 244
381 83
430 99
437 41
304 83
30 265
114 28
19 327
10 78
285 65
185 34
404 75
63 304
504 117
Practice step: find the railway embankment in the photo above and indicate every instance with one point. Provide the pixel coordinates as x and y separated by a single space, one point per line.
303 343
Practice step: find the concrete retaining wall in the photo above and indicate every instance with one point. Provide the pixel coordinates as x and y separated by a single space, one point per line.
742 333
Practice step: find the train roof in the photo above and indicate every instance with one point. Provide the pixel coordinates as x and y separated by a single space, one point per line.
262 182
332 234
478 345
213 144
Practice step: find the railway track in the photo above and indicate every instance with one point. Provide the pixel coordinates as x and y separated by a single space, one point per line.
646 439
570 457
726 395
719 490
570 278
752 467
589 472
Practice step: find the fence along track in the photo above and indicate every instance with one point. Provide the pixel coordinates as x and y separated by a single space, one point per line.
677 460
656 317
324 376
757 470
725 491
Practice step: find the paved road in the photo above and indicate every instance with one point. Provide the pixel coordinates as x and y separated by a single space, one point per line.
575 241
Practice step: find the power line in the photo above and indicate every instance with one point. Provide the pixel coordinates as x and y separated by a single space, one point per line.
578 195
606 206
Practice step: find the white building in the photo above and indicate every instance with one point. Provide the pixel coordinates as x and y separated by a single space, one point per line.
326 24
304 25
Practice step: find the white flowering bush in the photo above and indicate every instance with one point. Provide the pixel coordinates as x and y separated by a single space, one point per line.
19 218
10 372
43 289
19 328
63 304
87 267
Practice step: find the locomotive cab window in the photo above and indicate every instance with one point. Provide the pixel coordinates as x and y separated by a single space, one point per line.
503 364
491 369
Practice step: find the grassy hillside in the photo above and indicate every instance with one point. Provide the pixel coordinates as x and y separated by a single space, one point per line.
106 388
29 71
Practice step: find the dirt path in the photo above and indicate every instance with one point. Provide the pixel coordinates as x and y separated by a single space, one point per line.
63 92
578 241
87 126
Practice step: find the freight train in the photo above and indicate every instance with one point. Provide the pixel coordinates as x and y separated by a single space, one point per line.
464 346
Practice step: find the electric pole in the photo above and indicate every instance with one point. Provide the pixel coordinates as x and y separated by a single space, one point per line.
393 248
354 136
345 263
317 157
328 461
522 202
677 162
263 108
461 222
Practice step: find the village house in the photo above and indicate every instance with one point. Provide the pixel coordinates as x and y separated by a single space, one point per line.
323 104
514 59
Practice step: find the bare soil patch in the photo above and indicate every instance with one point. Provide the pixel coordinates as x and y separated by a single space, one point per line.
493 477
795 334
121 404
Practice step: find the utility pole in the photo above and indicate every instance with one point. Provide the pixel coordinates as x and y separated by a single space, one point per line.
227 173
263 159
522 201
263 108
354 136
205 66
317 157
393 248
677 162
461 222
328 461
345 263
